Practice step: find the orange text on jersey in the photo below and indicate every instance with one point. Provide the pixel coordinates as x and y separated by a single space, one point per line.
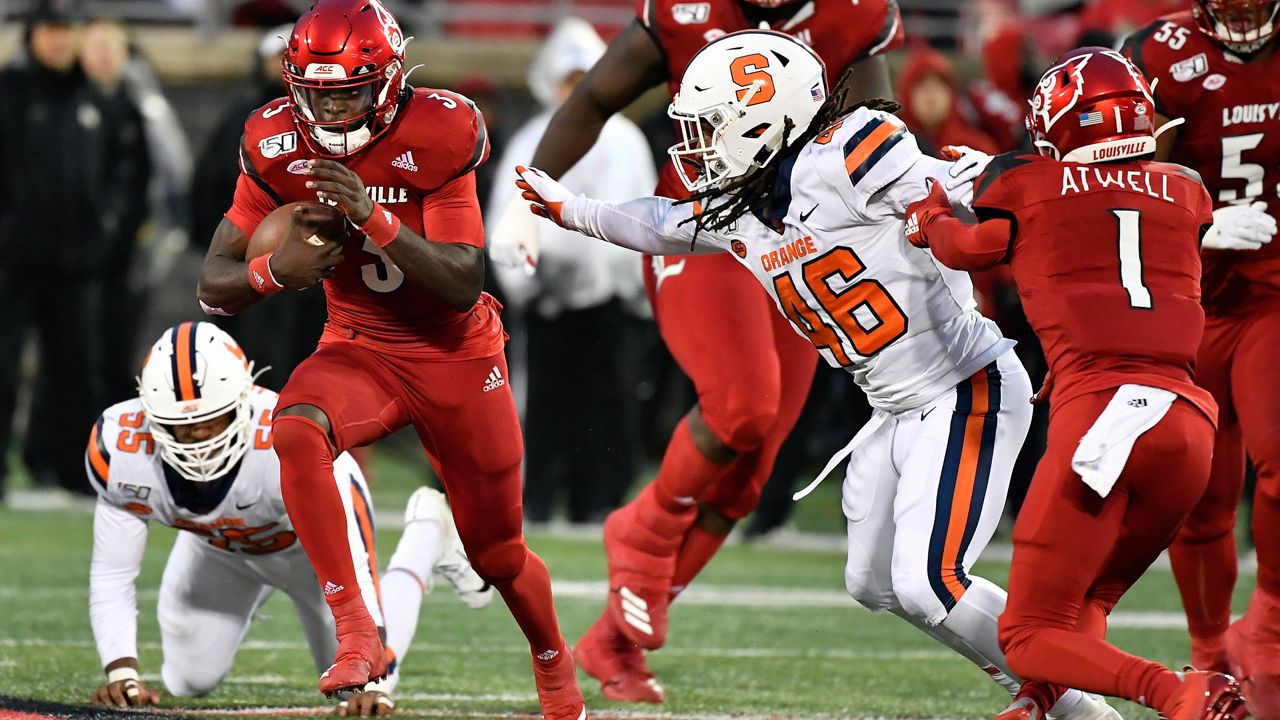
790 252
1080 179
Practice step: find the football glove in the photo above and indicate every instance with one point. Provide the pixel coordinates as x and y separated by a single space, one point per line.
966 167
920 212
546 196
514 240
1240 227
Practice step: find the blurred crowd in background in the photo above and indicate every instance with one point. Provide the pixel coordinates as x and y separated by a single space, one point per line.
115 175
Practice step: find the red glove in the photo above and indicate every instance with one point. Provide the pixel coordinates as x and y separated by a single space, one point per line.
921 212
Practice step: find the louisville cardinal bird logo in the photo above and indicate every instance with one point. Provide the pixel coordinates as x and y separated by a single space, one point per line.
390 28
1059 90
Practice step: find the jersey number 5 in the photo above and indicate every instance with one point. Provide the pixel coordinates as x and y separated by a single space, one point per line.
835 322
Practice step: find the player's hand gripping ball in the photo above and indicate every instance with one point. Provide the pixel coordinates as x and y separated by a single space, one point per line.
306 239
334 183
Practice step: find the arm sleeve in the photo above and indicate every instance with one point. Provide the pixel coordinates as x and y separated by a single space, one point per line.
653 225
451 214
119 539
969 247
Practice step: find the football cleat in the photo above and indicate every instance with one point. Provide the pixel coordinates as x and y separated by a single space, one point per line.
558 693
360 659
607 655
1021 709
1206 696
637 603
1262 696
430 504
1253 641
1087 707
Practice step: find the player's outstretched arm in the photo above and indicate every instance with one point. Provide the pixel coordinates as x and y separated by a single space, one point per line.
930 224
654 225
119 539
452 271
631 65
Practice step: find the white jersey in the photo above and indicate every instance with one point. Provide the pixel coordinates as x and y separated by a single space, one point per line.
835 259
241 514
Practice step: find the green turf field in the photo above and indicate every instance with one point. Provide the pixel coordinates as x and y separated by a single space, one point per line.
767 633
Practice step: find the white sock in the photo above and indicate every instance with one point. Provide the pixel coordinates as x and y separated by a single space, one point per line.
406 580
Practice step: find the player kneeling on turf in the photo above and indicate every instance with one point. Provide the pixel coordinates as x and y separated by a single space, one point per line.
811 197
194 452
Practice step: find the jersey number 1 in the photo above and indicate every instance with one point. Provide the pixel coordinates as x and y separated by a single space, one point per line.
1129 244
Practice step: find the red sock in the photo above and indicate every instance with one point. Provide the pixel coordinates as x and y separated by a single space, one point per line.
315 508
528 596
1266 520
663 512
1044 695
1072 659
698 549
1206 573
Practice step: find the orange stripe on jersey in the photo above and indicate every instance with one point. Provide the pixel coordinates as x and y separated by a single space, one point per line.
364 521
97 460
186 363
863 150
966 479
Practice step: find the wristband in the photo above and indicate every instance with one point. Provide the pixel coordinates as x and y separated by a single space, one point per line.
260 277
382 227
122 673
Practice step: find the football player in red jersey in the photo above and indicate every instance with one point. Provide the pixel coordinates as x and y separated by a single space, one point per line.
1217 66
751 371
411 339
1104 246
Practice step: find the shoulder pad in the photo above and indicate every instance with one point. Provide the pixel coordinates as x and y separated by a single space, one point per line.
97 459
890 35
270 135
449 128
1174 55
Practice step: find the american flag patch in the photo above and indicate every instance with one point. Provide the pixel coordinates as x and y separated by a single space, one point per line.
816 93
1091 118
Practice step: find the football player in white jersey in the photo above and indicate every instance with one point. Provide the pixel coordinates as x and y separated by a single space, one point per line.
194 452
812 200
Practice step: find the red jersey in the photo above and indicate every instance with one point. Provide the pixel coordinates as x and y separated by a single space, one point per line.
1231 137
420 170
1107 262
841 32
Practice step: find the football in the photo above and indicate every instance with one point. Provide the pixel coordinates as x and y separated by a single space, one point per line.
316 224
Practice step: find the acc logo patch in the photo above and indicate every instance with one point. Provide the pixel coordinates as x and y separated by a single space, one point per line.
1189 69
299 167
691 13
739 248
278 145
1215 81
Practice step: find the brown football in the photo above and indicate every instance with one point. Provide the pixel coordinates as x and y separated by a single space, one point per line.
317 223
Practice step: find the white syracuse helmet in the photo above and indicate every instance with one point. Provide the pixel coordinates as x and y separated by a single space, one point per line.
735 99
194 373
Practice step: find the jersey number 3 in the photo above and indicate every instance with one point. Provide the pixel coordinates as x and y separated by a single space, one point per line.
834 322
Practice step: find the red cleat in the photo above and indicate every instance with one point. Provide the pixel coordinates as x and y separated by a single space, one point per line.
1206 696
1021 709
639 587
607 655
360 657
1254 642
557 679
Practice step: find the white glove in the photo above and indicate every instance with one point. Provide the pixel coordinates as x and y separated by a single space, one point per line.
546 196
1240 227
968 164
514 240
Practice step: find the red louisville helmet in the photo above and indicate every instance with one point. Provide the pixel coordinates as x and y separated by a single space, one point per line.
347 49
1244 26
1093 106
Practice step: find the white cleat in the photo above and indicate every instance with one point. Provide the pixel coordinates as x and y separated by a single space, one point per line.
430 504
1083 706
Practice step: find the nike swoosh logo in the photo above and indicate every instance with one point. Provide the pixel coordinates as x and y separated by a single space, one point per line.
805 216
925 414
241 507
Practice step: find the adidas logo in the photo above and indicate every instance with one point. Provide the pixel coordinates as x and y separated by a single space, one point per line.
635 610
913 225
547 655
405 162
330 588
494 381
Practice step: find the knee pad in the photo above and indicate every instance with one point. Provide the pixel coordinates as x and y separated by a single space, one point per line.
870 592
916 597
500 561
294 436
188 681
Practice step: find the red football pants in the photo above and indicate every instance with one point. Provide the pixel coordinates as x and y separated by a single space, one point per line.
1076 553
1238 363
466 420
750 369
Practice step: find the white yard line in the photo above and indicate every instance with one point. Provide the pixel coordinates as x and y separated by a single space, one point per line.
444 713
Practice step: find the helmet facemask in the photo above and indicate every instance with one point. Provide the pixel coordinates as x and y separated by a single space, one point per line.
205 460
1243 26
374 97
